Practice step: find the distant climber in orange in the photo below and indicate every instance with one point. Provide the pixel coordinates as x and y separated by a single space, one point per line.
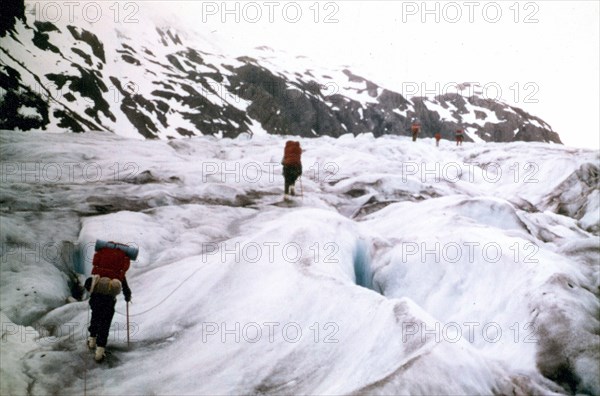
292 165
459 136
415 129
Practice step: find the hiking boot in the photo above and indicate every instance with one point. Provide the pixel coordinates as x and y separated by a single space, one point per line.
91 342
99 354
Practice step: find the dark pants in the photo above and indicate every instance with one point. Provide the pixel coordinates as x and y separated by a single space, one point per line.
103 310
415 136
290 174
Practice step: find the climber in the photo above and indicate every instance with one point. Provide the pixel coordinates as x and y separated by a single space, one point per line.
292 165
110 263
459 136
415 129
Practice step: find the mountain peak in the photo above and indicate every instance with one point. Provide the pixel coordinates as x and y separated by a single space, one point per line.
153 80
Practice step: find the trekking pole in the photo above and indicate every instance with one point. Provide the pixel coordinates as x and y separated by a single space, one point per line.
84 377
85 360
127 310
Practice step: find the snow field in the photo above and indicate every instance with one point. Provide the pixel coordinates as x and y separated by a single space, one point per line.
403 269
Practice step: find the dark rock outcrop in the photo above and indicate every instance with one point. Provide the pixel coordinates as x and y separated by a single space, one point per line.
186 91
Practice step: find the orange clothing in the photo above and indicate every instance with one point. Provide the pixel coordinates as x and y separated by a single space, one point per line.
292 154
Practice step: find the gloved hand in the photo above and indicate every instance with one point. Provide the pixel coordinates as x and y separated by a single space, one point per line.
88 284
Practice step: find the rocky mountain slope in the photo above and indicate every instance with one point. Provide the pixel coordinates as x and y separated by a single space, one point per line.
157 81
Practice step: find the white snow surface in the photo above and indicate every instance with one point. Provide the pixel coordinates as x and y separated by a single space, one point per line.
402 269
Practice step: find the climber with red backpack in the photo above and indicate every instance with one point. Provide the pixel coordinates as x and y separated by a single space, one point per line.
459 136
110 263
292 165
415 128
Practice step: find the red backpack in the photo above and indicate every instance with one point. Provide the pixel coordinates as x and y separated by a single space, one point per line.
416 127
110 263
292 153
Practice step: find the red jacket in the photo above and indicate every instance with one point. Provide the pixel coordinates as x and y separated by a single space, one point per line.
292 154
